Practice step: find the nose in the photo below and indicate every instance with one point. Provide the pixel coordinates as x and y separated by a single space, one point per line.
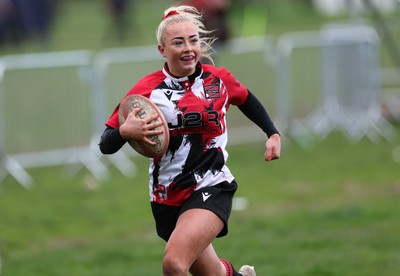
188 47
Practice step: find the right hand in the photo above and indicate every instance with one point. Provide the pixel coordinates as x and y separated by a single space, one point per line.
139 129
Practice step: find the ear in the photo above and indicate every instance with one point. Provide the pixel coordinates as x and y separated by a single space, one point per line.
161 50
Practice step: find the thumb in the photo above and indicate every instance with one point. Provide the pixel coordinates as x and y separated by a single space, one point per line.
268 154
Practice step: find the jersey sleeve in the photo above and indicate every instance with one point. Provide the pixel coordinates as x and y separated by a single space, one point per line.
113 120
237 92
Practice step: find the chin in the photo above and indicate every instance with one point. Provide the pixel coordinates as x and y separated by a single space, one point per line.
188 70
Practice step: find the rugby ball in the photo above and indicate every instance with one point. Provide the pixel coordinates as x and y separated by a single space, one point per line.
133 101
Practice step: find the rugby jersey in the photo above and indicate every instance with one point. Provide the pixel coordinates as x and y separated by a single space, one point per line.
195 109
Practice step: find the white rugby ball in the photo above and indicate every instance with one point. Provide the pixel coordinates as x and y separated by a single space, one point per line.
133 101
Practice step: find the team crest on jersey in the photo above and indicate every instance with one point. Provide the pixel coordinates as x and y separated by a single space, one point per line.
211 91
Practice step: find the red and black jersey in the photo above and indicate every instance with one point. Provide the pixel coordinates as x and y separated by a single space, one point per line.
195 108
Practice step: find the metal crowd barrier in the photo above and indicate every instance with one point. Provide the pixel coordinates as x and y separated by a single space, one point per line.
47 106
337 80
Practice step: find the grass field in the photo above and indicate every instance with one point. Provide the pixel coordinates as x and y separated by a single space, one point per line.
330 210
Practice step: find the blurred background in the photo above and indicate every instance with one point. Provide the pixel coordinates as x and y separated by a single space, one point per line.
328 72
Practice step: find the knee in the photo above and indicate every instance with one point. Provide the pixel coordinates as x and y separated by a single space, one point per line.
173 266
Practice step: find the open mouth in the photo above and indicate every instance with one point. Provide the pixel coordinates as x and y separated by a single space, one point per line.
187 58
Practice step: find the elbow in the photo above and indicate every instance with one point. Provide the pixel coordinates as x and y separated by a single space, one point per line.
104 149
111 141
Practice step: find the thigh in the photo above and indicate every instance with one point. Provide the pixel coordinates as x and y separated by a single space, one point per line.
194 232
217 199
165 217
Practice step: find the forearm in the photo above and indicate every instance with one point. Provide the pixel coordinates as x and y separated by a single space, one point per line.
255 111
111 141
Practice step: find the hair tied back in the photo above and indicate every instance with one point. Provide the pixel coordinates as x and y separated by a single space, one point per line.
173 12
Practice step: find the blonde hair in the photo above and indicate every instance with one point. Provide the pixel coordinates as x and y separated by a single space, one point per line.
187 14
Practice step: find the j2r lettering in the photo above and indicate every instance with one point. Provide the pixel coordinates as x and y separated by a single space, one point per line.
208 118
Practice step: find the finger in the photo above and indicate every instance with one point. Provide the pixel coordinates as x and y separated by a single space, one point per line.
153 132
268 154
136 110
274 155
273 158
151 118
154 125
147 140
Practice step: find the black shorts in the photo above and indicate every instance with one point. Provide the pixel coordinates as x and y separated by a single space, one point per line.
217 199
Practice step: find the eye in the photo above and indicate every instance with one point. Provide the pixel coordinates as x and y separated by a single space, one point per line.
194 40
177 42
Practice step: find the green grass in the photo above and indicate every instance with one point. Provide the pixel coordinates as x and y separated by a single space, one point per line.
330 210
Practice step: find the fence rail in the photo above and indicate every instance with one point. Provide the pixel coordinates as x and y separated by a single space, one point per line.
344 92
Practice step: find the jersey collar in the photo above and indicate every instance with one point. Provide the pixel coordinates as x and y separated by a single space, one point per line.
191 78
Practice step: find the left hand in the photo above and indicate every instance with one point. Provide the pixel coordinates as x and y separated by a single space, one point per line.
273 148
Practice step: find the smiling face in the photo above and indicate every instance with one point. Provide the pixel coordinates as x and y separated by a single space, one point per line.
180 46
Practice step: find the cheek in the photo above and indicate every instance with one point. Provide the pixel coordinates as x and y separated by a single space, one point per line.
169 53
197 49
174 53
